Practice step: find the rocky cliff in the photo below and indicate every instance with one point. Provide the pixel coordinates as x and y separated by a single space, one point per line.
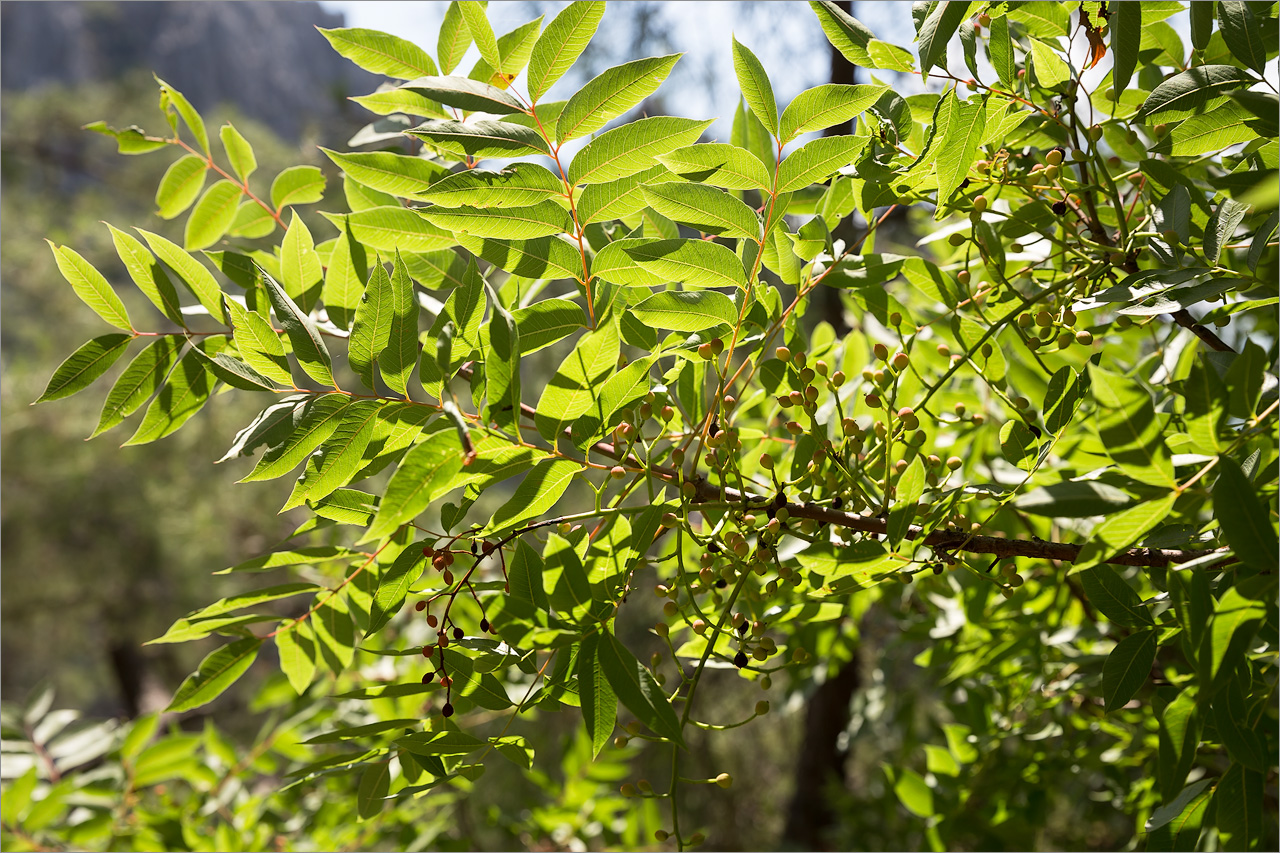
264 57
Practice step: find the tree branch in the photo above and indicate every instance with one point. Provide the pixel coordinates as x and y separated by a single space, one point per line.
1184 319
939 540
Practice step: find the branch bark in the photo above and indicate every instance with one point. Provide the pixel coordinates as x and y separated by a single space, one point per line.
943 541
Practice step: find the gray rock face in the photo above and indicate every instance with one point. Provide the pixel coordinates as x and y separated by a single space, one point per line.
264 57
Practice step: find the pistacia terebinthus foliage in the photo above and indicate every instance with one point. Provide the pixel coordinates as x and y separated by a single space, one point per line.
523 364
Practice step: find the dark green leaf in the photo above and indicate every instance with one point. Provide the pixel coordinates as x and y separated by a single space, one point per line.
217 672
636 689
599 704
1127 667
308 346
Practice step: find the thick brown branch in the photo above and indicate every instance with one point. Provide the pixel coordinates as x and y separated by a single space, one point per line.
942 541
1184 319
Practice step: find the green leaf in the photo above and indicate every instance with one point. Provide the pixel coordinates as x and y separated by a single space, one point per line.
686 310
1243 33
340 457
393 587
148 275
194 275
825 106
514 47
519 185
481 33
258 343
561 44
440 743
252 221
1018 445
1066 391
297 185
696 263
959 146
217 672
536 494
375 779
1073 500
181 185
308 346
632 147
480 139
914 793
213 215
297 557
296 648
1243 517
941 24
1126 38
551 257
470 95
599 703
1194 91
386 229
140 380
172 98
312 424
335 633
621 198
611 94
185 393
1235 619
1201 23
636 689
547 321
509 223
380 53
1051 71
454 38
845 32
401 100
83 366
710 210
910 488
1043 19
1239 798
1126 668
400 356
131 140
1121 530
1216 130
388 172
815 161
1000 50
300 270
1129 429
251 599
344 279
502 367
720 165
1222 226
372 327
756 89
1114 598
90 286
421 476
239 152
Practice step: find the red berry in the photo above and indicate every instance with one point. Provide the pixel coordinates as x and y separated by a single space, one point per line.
420 606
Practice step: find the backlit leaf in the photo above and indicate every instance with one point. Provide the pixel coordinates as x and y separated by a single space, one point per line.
562 43
297 185
380 53
611 94
218 671
83 366
686 310
90 286
181 185
755 85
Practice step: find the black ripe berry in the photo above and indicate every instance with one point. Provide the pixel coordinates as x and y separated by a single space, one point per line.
447 710
420 606
722 583
458 633
742 629
484 625
740 660
937 568
428 678
713 548
1059 207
